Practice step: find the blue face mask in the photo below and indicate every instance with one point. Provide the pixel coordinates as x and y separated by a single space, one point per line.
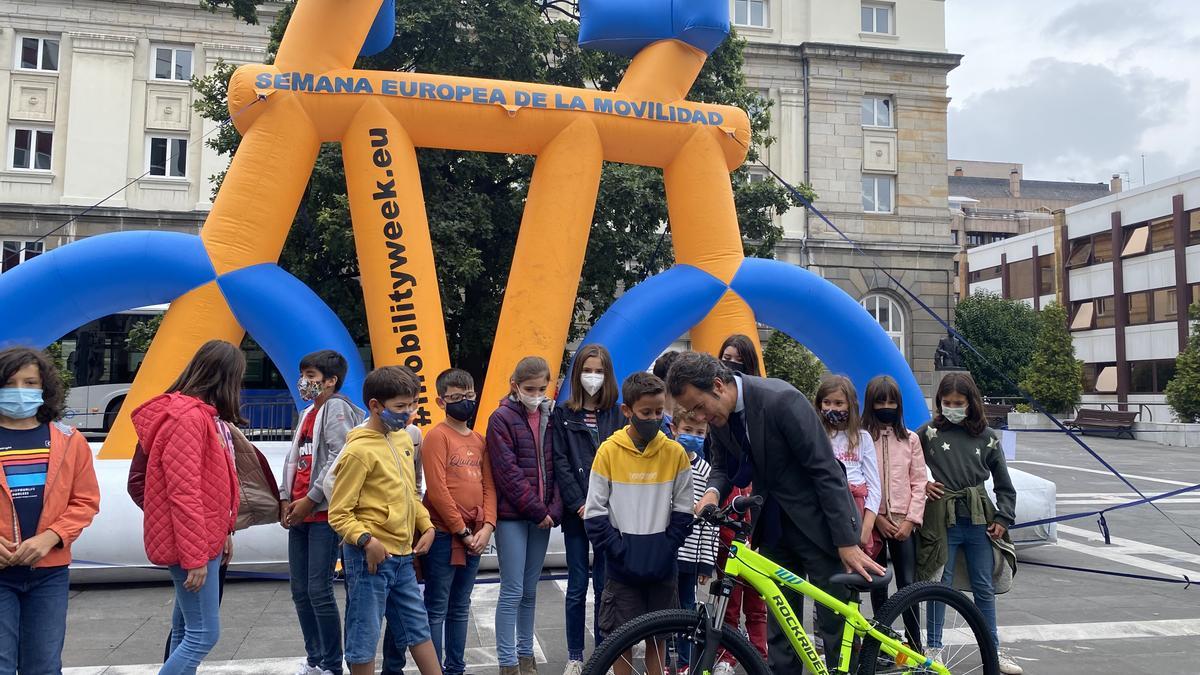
692 443
394 421
19 403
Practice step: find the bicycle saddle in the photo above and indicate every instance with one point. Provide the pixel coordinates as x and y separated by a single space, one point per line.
857 583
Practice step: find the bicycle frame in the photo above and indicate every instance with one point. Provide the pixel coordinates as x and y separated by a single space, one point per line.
769 580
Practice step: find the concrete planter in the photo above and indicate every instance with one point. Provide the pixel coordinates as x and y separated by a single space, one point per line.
1031 420
1178 434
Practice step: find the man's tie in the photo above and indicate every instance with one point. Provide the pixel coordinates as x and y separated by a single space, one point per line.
745 470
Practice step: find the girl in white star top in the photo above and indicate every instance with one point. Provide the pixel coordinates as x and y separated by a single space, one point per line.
837 402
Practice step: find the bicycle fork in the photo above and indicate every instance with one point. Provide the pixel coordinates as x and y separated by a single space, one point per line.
720 588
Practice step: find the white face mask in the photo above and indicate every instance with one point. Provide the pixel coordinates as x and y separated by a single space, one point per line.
531 402
591 382
954 415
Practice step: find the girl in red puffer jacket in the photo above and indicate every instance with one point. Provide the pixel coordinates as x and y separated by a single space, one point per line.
191 492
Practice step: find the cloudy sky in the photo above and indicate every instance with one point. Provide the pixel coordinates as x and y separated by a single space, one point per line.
1077 89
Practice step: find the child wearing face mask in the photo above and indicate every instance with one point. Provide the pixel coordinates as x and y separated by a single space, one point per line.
739 355
698 556
638 514
50 495
312 543
376 511
520 450
961 523
902 482
837 403
589 416
461 499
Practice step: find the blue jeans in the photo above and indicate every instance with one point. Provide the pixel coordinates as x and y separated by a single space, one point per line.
33 618
977 546
196 622
312 552
448 602
521 546
687 600
392 591
577 545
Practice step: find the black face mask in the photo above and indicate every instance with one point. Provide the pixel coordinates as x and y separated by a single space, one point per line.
462 410
734 366
887 415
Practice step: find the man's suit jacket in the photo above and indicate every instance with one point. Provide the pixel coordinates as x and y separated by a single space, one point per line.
793 462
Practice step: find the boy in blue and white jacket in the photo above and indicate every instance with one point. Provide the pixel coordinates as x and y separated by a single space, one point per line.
312 543
698 556
639 511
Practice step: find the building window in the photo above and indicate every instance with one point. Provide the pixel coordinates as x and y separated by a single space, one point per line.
1102 248
172 63
38 53
1137 241
985 274
750 13
1194 227
1139 307
31 149
17 252
1084 315
1020 276
877 111
1150 377
168 157
878 193
1106 315
1046 262
757 175
877 18
981 238
1100 378
1162 235
889 314
1081 252
1164 305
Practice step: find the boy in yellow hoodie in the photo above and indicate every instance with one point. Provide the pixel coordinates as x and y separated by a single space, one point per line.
375 509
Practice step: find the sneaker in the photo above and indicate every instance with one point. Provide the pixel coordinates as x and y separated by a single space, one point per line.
574 668
934 653
306 669
723 668
1007 665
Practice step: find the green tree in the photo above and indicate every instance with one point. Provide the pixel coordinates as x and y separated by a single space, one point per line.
791 362
1054 376
55 352
1183 391
141 334
475 200
1004 332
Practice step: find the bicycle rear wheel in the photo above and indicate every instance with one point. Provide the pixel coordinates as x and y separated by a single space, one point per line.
624 651
936 620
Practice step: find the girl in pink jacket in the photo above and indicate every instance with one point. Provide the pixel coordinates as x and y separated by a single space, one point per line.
902 480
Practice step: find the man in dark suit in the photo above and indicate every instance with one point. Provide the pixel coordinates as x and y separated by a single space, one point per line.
765 430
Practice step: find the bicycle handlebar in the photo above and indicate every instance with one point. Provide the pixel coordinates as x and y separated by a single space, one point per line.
744 503
721 516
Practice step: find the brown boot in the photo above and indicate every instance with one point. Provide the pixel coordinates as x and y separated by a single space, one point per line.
510 670
528 665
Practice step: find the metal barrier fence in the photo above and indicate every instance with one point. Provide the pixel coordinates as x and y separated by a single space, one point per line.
271 419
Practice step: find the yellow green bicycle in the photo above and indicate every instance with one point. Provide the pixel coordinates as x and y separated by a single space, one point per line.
953 639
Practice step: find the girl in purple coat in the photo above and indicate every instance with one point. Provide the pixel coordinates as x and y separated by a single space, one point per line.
528 505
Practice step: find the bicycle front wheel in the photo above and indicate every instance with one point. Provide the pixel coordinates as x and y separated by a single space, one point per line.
936 620
665 642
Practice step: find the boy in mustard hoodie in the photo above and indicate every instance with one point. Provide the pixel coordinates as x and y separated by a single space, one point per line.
375 509
638 513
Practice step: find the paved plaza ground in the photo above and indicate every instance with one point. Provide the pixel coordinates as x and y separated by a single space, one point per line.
1054 621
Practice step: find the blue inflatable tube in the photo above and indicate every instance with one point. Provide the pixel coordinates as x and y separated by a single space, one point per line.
822 317
289 321
627 26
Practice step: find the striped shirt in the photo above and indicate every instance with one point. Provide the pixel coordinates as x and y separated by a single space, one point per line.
24 457
699 551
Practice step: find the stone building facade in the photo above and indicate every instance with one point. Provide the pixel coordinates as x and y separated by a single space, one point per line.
96 95
860 114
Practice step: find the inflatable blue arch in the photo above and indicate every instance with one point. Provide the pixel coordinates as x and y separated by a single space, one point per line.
810 309
53 294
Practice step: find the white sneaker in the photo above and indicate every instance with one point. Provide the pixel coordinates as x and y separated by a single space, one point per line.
306 669
325 672
723 668
1007 665
574 668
